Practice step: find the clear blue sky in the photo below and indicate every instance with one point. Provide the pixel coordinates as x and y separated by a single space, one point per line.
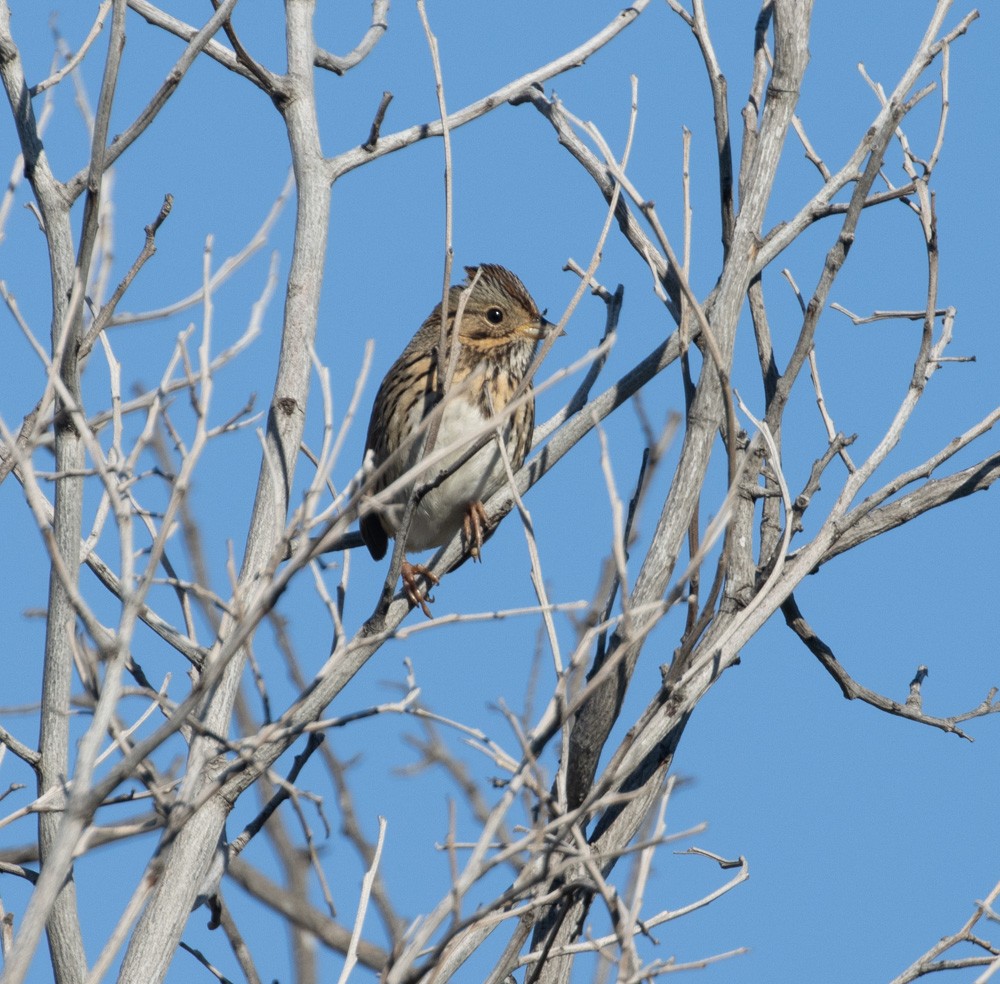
868 837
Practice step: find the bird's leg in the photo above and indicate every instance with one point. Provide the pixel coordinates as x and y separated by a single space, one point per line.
473 522
411 587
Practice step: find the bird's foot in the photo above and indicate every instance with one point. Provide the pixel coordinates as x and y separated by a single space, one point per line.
411 586
473 523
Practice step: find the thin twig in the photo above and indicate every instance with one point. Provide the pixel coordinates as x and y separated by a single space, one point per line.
351 957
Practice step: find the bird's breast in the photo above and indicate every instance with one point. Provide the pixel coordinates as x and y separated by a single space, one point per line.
440 511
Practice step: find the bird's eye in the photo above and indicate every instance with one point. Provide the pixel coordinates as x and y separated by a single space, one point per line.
494 315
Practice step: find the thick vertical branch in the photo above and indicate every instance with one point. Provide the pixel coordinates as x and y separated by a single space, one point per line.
594 722
65 941
597 716
56 895
160 928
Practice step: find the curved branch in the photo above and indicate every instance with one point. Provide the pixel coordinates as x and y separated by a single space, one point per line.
784 234
519 88
199 40
186 32
930 495
340 64
849 687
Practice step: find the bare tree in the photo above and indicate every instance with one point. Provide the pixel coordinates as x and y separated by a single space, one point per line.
584 784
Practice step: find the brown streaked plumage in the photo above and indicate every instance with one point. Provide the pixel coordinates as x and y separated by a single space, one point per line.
498 335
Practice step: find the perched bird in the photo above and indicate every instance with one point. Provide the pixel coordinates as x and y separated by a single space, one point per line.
497 336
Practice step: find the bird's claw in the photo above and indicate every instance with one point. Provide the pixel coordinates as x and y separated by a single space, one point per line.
473 522
411 587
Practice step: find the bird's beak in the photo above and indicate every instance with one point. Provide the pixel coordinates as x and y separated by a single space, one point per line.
548 326
540 330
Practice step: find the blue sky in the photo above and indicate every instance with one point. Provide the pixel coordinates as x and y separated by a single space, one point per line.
868 837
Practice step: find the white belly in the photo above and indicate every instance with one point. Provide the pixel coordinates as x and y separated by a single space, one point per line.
438 515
